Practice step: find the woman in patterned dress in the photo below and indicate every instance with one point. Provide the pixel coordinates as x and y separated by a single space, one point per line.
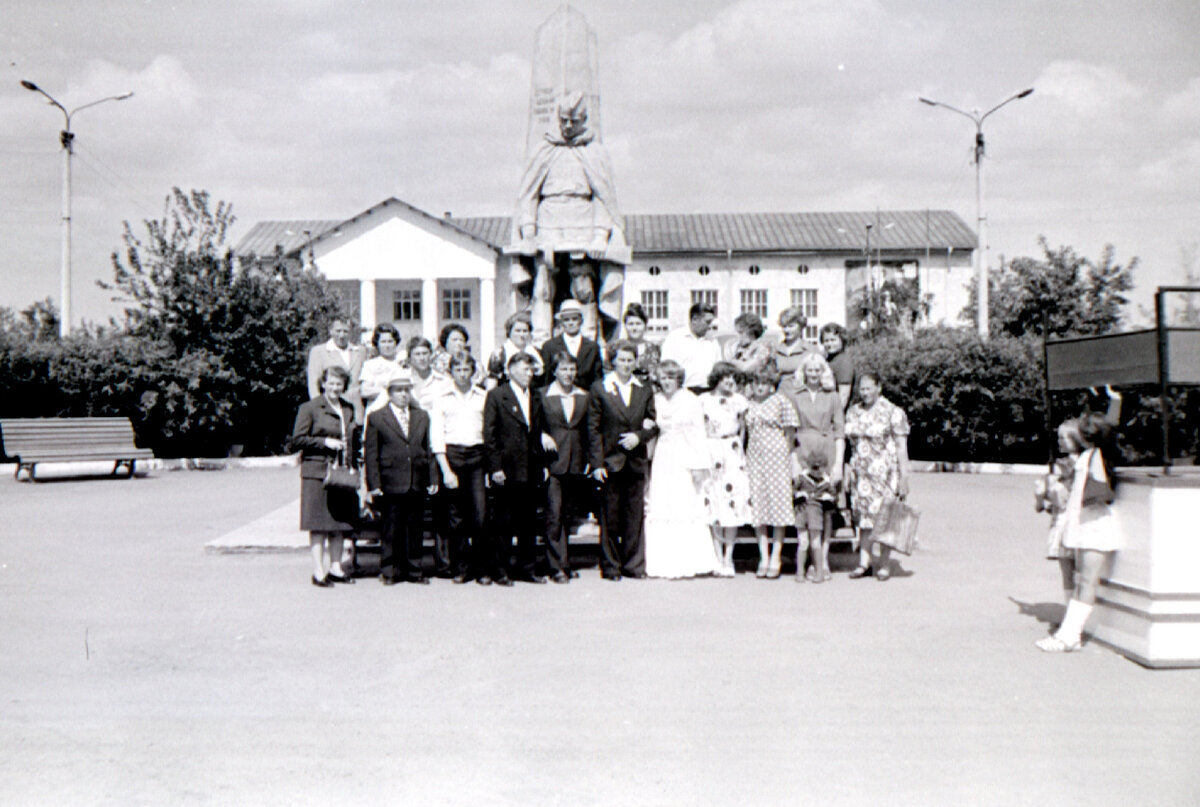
453 340
770 432
727 492
648 353
878 433
820 449
751 351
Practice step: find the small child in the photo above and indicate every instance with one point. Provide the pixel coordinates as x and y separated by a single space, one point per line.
811 478
1050 495
814 492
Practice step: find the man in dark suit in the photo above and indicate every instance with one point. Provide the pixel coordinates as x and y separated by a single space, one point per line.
514 447
620 423
585 352
565 409
398 459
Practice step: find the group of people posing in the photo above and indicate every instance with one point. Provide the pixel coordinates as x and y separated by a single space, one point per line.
674 448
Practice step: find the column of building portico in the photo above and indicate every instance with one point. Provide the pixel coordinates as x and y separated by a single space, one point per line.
366 305
429 307
487 316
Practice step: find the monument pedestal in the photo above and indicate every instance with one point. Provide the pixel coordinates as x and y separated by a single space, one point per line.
1148 605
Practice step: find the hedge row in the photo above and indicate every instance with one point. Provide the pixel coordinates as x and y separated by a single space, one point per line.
973 401
967 400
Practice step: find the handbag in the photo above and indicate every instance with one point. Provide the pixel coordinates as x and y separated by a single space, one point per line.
340 476
338 473
896 526
1096 491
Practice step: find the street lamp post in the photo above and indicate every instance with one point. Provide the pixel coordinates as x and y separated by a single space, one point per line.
981 279
66 138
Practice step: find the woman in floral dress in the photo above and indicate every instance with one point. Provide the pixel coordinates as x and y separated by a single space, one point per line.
727 493
878 433
770 432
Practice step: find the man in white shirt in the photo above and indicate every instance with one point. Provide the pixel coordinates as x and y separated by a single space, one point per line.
695 347
456 434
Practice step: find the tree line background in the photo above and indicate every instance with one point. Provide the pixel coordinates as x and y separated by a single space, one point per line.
209 357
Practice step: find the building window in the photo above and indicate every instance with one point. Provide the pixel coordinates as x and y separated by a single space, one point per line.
655 271
655 303
754 269
708 296
802 268
806 301
754 301
406 305
704 270
456 304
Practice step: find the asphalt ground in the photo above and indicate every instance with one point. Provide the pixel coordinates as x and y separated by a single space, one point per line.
136 669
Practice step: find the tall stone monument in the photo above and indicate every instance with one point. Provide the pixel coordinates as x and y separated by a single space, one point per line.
568 235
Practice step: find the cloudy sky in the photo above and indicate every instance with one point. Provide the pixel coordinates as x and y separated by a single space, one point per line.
320 109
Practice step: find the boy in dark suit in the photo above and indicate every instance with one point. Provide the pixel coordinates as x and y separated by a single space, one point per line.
398 458
585 352
565 409
514 444
620 423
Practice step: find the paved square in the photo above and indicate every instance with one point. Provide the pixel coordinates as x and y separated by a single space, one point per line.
137 669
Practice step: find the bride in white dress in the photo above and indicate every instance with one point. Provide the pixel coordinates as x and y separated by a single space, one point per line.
677 538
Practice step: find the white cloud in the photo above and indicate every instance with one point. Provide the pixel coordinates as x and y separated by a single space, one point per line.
1089 90
1183 108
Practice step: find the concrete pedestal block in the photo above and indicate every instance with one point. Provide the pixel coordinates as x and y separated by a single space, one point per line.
1148 605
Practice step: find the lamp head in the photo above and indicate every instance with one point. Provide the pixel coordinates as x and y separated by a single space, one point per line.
927 101
1025 93
29 85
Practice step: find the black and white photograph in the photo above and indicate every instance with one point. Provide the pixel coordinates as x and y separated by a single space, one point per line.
730 402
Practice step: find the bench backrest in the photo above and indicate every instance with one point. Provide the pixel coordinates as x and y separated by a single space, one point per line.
24 435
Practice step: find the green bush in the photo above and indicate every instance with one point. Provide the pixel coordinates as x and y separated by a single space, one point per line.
973 401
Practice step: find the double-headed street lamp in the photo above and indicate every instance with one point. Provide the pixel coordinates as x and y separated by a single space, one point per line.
981 279
65 138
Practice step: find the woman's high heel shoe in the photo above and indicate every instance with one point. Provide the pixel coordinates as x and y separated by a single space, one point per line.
324 582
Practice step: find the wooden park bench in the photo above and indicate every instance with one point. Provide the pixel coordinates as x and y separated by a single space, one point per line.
30 441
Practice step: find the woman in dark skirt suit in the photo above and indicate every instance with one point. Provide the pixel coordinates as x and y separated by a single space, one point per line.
325 427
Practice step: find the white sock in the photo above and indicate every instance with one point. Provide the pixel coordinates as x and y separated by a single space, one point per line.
1071 630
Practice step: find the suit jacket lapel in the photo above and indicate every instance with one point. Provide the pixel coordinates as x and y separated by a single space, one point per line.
580 412
390 420
513 407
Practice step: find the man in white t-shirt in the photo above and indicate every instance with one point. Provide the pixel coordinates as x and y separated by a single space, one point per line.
694 347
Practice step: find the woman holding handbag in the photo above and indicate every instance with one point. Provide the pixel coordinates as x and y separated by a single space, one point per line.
878 433
325 436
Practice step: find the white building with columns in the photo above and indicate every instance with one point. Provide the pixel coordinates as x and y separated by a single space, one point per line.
395 263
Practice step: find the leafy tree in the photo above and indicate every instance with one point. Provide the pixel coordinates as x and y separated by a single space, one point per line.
36 323
1079 296
892 309
234 339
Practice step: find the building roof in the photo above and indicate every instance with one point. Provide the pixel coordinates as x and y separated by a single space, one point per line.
292 236
904 230
773 232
